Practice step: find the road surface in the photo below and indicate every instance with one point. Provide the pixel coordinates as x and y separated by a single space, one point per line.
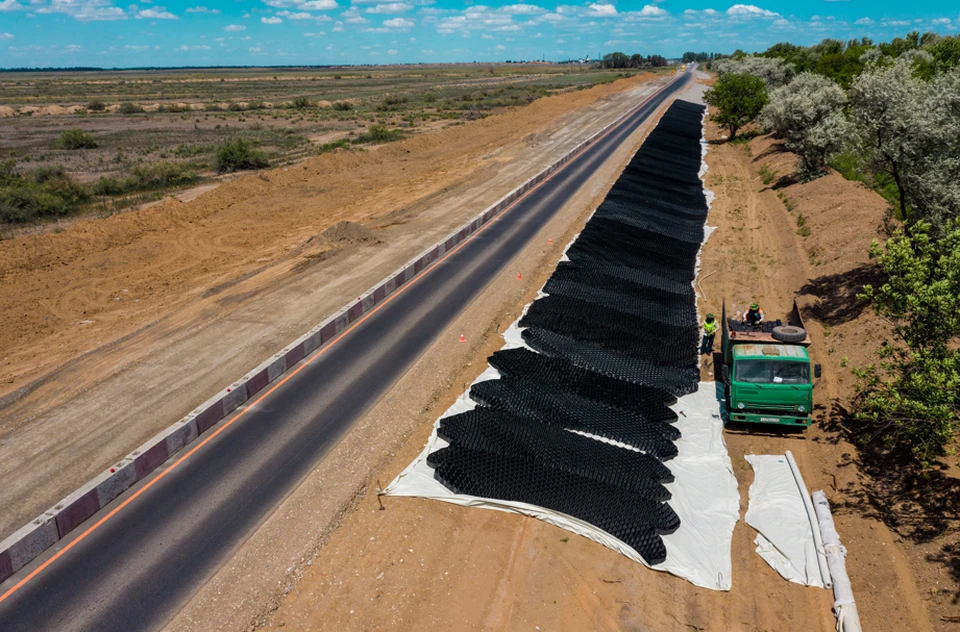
136 569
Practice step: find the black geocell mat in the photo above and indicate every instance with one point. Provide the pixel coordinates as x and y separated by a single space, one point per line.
654 438
624 279
498 432
676 316
615 341
619 512
648 401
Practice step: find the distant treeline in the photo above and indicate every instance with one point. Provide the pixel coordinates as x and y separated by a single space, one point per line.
700 57
622 60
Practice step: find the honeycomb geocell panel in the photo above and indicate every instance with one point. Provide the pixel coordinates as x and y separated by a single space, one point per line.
678 381
581 424
635 521
575 413
649 401
502 433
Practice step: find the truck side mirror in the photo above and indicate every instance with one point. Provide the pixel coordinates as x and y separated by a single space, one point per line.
725 374
817 371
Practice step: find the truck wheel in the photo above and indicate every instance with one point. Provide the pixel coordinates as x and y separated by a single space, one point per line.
789 333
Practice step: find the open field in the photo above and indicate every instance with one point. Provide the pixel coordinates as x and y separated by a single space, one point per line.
139 120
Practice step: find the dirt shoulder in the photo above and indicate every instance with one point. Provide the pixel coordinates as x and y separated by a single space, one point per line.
117 327
420 564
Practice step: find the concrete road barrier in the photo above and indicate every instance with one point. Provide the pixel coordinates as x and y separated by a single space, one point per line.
26 544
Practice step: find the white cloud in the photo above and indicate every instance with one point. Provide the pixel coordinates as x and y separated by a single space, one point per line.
338 27
273 20
750 11
255 49
390 7
602 10
10 5
6 36
501 47
522 9
398 23
864 21
486 36
317 34
303 15
72 48
942 21
303 5
141 47
83 10
233 28
188 48
156 14
204 10
652 11
391 52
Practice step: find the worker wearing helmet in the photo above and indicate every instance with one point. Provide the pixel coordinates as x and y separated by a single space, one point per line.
753 316
709 333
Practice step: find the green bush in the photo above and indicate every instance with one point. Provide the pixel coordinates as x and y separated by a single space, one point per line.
239 154
302 103
378 134
130 108
75 139
912 398
156 176
47 192
737 100
96 105
342 106
160 175
337 144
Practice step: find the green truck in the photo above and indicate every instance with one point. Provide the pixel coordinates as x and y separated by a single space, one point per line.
766 371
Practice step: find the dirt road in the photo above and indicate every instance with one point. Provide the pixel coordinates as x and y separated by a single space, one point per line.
425 565
117 327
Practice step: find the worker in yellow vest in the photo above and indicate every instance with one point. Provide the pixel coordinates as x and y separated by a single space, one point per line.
709 333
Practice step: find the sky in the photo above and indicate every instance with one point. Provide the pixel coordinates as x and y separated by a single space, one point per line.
113 34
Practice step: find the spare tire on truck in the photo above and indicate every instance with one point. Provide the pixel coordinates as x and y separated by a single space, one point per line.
789 333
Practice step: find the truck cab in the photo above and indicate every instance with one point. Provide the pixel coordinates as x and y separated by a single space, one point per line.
767 373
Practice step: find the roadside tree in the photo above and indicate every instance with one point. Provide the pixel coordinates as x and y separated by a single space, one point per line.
907 127
774 72
912 399
808 115
737 99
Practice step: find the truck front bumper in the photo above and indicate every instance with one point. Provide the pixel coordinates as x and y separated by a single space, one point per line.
768 418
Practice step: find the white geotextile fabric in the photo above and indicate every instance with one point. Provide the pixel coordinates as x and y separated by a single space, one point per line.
704 491
784 536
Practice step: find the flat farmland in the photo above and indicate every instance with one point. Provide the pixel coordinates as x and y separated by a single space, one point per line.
151 134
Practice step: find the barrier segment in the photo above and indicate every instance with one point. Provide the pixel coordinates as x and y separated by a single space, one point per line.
30 541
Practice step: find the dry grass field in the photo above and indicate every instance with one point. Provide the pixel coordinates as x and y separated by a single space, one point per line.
150 134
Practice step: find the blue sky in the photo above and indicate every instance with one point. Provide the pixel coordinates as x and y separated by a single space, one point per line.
112 33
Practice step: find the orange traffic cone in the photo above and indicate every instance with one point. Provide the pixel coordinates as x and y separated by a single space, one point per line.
462 337
550 242
519 277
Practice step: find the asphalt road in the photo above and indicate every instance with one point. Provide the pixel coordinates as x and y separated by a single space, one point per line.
140 566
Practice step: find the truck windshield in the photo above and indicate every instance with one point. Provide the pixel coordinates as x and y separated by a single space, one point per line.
772 372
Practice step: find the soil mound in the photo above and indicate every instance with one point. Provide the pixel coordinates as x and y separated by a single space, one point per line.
350 234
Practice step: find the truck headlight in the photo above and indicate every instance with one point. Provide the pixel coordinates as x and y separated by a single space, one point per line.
740 406
802 409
